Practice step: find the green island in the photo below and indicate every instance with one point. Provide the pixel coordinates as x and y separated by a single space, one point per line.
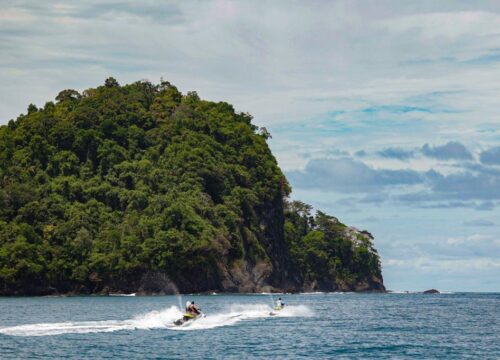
140 188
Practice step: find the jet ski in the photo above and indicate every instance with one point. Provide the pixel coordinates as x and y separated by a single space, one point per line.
275 311
188 318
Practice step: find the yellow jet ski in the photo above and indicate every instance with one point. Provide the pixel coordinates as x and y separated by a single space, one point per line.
275 310
187 317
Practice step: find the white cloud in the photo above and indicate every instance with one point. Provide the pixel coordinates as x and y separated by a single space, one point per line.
271 60
474 238
448 25
429 265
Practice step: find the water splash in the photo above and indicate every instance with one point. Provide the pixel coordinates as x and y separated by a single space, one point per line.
156 320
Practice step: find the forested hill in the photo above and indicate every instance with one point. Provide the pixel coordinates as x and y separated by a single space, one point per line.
139 188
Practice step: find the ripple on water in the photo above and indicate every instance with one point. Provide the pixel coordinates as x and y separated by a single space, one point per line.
314 325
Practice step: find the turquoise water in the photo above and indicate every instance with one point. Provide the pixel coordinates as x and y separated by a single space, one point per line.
239 326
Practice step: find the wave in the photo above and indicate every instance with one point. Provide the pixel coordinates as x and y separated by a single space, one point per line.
162 319
267 293
147 321
132 294
327 293
417 292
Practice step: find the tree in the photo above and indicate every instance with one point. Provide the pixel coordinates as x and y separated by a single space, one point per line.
68 95
111 82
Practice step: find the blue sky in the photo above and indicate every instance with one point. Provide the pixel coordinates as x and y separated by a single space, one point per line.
383 113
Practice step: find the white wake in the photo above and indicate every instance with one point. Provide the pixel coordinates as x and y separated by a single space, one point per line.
157 320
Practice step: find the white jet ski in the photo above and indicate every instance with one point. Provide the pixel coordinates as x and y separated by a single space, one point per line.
276 310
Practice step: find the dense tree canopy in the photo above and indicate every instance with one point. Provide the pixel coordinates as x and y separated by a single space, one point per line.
121 181
322 248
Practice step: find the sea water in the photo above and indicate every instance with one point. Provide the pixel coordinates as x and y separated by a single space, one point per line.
340 325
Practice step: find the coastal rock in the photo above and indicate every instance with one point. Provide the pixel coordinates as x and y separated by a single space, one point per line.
431 291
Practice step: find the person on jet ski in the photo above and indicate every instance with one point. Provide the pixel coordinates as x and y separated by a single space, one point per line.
192 312
192 309
279 304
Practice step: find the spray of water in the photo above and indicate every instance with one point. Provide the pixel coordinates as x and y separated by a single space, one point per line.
162 319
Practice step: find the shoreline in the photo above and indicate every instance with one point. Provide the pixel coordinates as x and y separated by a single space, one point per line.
214 293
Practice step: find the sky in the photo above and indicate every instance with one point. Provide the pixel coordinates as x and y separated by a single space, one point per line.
382 113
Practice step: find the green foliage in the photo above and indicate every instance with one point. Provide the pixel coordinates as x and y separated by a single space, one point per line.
102 187
121 180
321 248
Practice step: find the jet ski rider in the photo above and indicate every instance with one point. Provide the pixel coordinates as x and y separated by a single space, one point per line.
192 309
279 304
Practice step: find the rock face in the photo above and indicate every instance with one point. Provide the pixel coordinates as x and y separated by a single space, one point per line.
142 189
431 291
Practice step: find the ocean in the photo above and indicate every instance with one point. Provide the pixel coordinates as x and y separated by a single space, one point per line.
321 326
